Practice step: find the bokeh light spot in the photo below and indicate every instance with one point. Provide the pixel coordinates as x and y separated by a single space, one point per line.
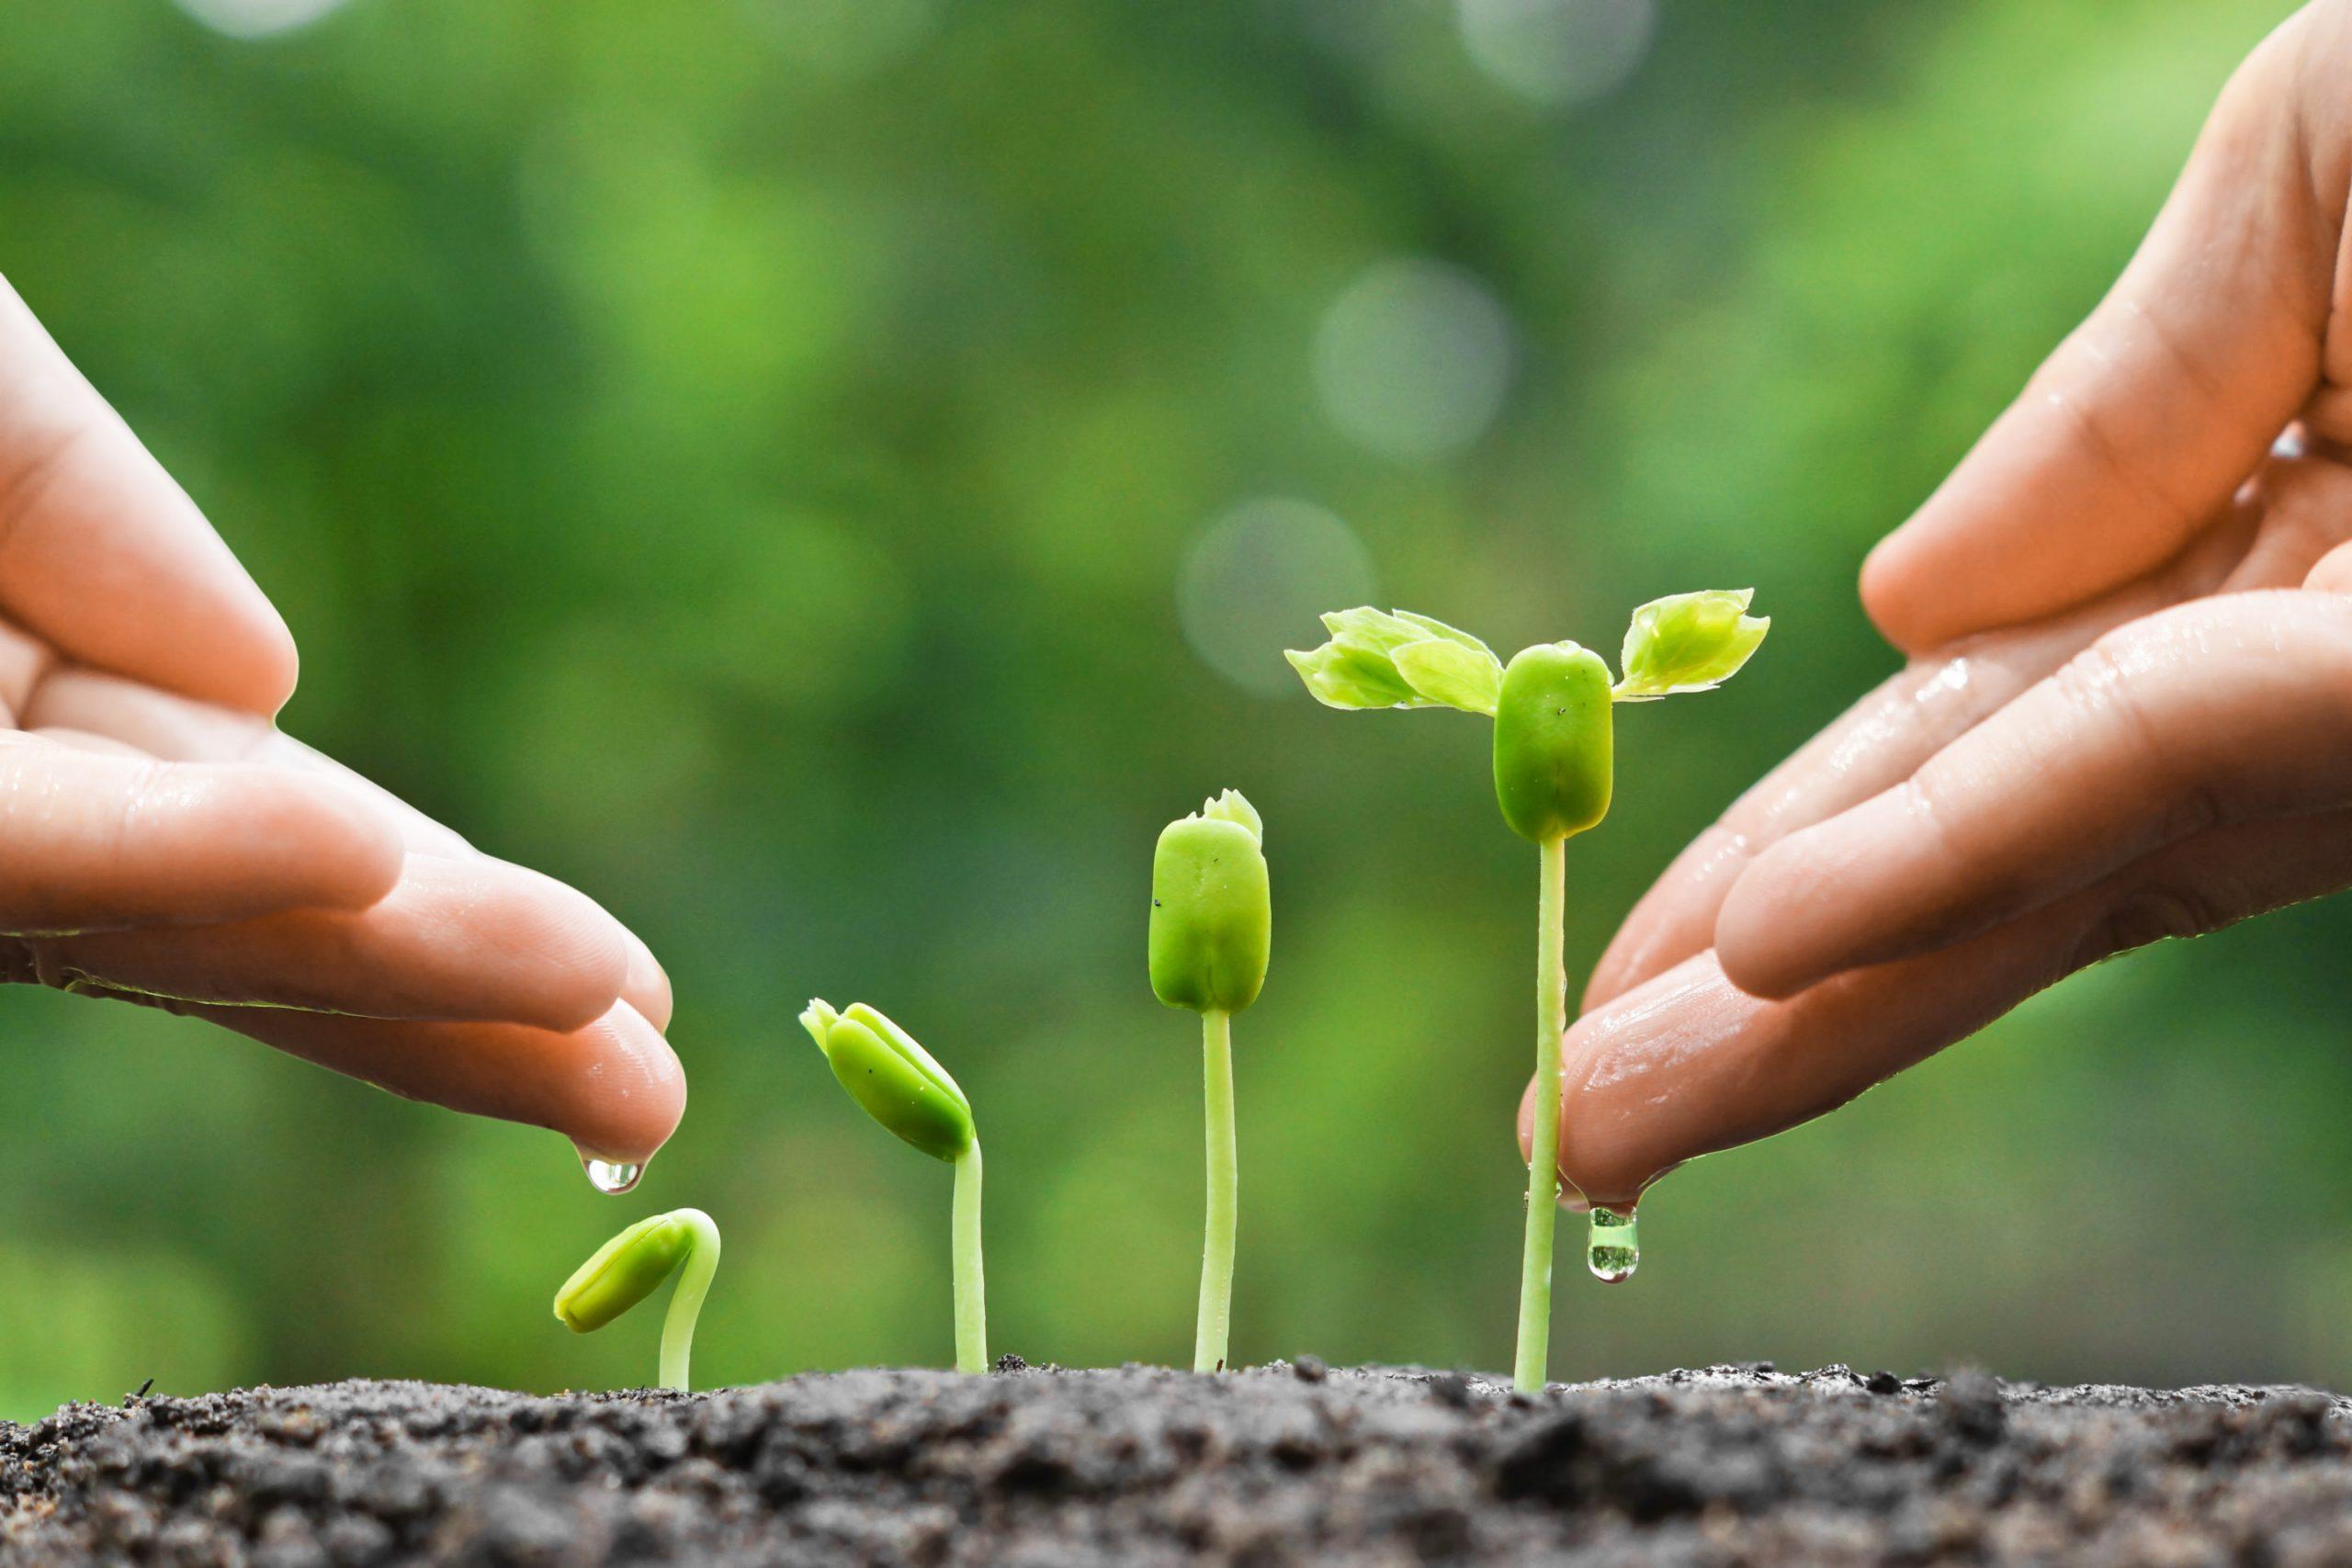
1412 359
1558 52
1254 581
257 19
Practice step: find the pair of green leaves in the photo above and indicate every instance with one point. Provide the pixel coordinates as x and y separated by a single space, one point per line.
1685 642
898 1083
1379 659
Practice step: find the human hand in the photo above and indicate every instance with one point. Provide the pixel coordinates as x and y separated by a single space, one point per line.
2128 714
161 842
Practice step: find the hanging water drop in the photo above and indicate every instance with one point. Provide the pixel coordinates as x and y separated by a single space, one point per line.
611 1176
1615 1247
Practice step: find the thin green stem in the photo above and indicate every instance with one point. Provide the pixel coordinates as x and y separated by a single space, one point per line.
694 1270
1543 1142
1223 1187
971 1287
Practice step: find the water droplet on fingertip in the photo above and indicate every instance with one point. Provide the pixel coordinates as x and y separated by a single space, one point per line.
1614 1248
611 1176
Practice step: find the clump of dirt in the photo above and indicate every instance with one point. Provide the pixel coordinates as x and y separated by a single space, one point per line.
1140 1466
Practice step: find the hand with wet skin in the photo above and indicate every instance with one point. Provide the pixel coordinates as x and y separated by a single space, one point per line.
162 840
2128 712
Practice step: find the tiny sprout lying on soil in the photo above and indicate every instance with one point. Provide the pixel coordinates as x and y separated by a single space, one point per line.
1552 758
901 1086
1212 924
631 1267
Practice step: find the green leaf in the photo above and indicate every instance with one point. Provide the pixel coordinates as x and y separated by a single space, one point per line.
897 1082
1381 659
1451 634
1341 677
1449 673
1689 642
1374 631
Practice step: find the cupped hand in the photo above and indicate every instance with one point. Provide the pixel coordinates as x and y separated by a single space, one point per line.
2128 712
161 842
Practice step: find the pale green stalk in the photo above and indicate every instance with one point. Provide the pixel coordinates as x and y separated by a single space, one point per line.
971 1287
1544 1141
685 1300
1223 1189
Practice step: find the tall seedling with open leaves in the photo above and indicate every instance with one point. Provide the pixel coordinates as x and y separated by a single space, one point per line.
1553 711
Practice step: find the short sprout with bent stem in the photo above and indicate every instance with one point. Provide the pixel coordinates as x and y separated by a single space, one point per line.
902 1087
1553 760
631 1267
1212 924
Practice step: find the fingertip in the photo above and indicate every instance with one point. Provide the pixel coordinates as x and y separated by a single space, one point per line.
1884 585
1635 1101
2332 573
1752 934
272 665
639 1089
248 661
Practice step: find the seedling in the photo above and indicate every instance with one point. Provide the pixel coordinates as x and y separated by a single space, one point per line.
631 1267
904 1089
1212 923
1551 708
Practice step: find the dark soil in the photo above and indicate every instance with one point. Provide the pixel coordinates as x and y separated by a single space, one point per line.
1143 1466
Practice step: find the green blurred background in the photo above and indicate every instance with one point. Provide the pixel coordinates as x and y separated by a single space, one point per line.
831 477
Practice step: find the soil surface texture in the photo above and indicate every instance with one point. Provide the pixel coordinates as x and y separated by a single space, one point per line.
1030 1467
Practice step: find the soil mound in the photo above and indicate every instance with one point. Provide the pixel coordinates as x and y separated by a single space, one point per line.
1139 1466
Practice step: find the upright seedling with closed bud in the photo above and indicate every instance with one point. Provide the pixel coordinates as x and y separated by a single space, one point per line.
1553 712
901 1086
631 1267
1212 925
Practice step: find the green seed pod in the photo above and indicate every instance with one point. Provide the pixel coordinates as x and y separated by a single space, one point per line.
895 1080
1553 741
629 1268
1211 913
